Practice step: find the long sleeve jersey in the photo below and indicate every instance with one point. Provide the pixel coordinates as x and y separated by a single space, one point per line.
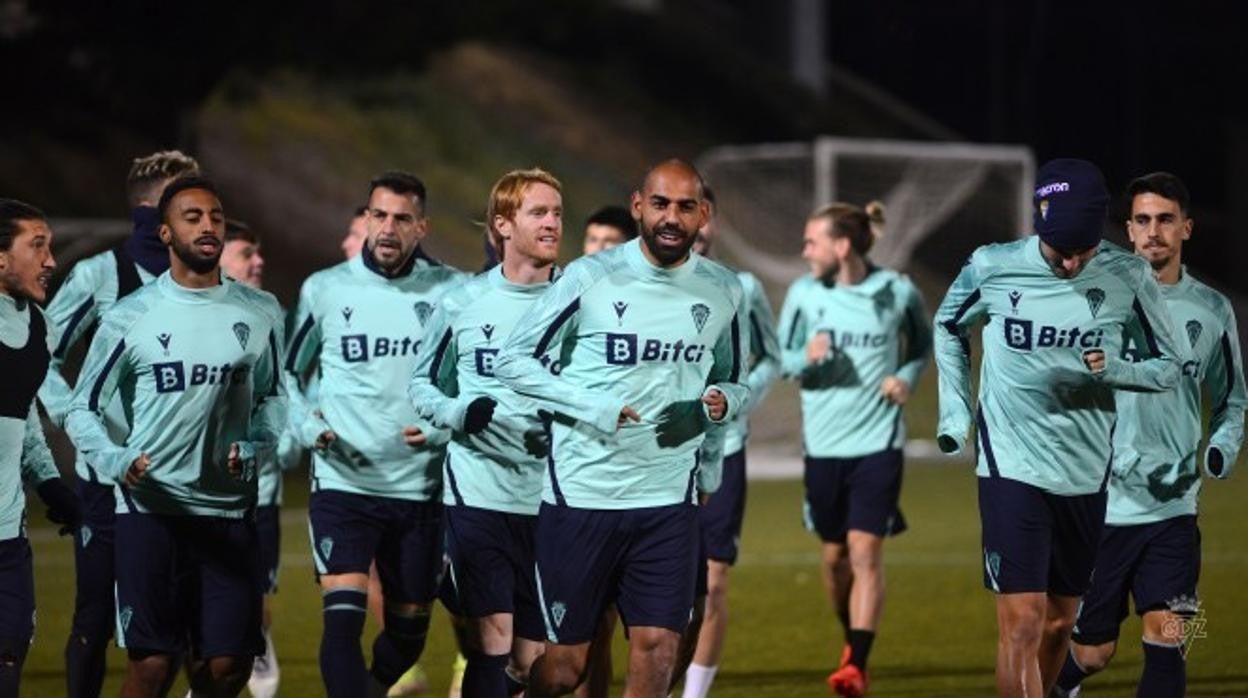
195 370
1155 473
1043 418
24 454
93 287
365 329
876 328
618 331
501 467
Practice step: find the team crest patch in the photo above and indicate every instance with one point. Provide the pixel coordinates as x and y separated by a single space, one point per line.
700 314
242 332
423 311
1095 298
326 547
124 615
557 612
85 535
1194 329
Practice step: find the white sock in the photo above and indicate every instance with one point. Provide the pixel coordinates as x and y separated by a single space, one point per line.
698 680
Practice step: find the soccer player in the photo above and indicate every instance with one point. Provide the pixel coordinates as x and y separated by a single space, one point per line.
26 265
1150 547
722 516
608 227
856 337
376 467
357 233
194 358
241 260
93 286
646 342
497 456
1055 306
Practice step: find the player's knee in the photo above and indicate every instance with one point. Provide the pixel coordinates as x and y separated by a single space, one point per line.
1023 632
407 626
150 669
492 634
1094 658
229 674
559 671
1059 627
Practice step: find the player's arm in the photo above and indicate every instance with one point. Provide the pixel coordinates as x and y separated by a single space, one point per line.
70 314
1160 368
917 330
725 395
765 346
39 471
793 329
302 350
1224 382
434 388
107 366
528 362
958 312
268 400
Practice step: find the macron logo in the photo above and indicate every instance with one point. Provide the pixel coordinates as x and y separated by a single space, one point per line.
1052 188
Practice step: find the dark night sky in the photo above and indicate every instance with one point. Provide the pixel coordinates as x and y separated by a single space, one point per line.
1134 87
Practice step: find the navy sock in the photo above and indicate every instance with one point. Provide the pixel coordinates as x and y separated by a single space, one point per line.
1072 674
860 646
486 675
399 646
85 663
514 686
1165 672
342 659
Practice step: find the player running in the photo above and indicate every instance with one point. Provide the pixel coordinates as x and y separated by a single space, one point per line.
856 336
1055 306
1150 547
497 456
723 514
194 358
376 467
93 286
647 341
26 266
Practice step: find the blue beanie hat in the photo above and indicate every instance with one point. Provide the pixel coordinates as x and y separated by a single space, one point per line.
1070 204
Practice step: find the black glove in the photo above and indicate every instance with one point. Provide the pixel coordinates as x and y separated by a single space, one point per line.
479 414
63 506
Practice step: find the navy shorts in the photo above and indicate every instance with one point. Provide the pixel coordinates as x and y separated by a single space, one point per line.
269 532
1037 541
351 531
854 494
1157 564
188 578
94 612
17 597
642 560
491 555
722 515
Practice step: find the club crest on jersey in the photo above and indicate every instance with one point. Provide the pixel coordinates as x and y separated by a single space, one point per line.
1095 298
620 307
242 333
557 612
488 331
1015 297
700 312
346 314
423 311
1194 329
882 300
164 338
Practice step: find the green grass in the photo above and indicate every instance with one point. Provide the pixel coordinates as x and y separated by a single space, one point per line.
937 637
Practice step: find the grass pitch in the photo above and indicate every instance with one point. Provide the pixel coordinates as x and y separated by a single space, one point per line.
937 637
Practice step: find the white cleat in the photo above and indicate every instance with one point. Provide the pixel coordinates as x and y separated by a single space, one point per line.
265 674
